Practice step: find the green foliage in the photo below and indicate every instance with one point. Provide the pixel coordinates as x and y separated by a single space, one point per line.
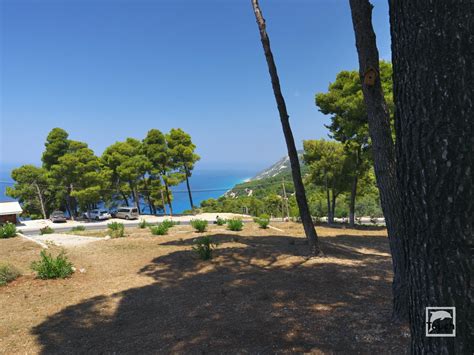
72 176
8 230
181 150
8 273
159 229
117 230
220 221
344 101
200 225
57 144
203 247
46 230
263 221
78 228
143 224
32 185
168 223
49 267
235 224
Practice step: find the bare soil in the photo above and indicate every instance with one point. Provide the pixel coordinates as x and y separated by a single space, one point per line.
261 293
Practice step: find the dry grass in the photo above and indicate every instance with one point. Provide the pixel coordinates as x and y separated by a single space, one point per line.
261 293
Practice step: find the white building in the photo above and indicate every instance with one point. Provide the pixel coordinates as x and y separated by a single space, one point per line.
10 212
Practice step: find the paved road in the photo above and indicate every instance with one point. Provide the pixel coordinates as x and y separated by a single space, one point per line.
32 228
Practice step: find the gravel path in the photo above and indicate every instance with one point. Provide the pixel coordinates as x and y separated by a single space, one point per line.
64 240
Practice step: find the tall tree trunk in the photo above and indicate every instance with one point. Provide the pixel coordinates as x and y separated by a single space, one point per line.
353 201
433 73
333 206
136 198
168 198
125 198
151 206
163 201
328 200
305 215
40 198
189 188
72 207
382 149
355 180
68 207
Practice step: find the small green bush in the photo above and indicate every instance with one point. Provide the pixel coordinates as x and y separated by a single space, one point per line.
200 225
263 221
235 224
8 273
220 221
203 247
143 224
160 229
78 229
168 223
117 230
8 230
50 267
46 230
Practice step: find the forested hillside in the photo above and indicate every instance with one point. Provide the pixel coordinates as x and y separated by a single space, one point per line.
265 193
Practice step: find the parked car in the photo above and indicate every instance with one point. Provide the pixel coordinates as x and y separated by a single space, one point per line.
97 214
58 217
127 213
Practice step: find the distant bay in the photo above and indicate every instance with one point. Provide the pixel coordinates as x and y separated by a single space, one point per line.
205 184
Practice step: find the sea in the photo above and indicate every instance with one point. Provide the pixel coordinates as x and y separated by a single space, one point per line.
205 184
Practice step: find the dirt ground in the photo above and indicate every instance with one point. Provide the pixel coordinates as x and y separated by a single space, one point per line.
259 294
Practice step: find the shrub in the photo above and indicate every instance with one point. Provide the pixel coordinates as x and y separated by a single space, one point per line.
203 247
143 224
8 230
220 221
199 225
263 221
78 229
8 273
50 267
235 224
46 230
168 223
117 230
160 229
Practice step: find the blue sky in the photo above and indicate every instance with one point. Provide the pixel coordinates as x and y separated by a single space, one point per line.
105 70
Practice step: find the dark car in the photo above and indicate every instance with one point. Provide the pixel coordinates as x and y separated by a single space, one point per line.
57 217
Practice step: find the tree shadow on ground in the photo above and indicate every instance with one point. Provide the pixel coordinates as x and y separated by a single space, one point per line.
258 295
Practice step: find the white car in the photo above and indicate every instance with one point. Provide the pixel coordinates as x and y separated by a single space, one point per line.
97 214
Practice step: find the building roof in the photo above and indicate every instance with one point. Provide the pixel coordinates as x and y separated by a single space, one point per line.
10 208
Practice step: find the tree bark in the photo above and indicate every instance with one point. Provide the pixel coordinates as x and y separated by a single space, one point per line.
125 199
333 206
163 201
189 188
352 201
40 198
382 149
300 193
168 198
330 219
136 198
355 181
433 73
72 207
